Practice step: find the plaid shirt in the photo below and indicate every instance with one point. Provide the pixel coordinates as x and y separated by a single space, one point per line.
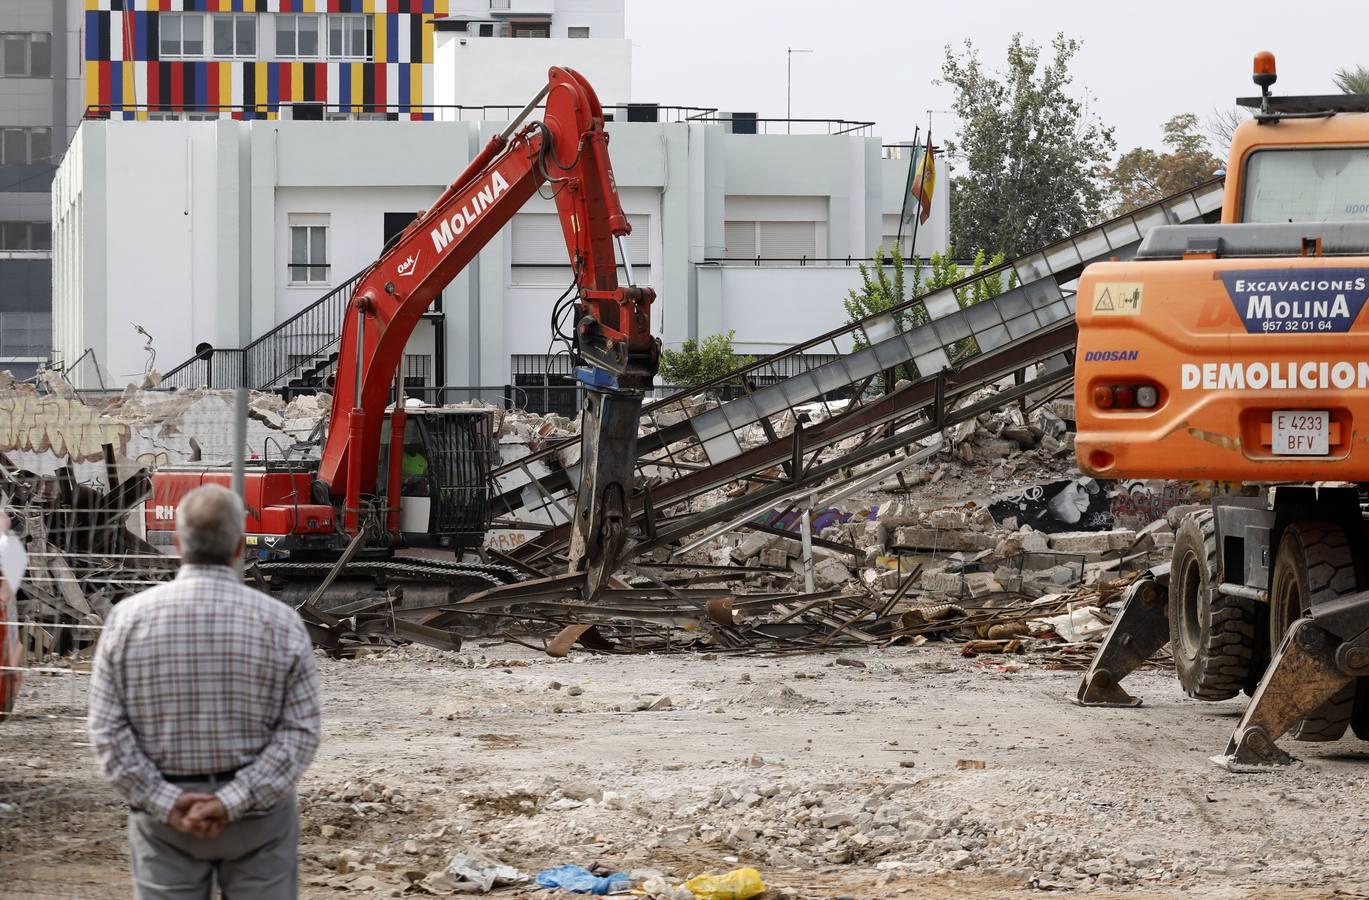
204 675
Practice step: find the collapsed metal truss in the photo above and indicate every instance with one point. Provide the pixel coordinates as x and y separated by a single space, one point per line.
943 350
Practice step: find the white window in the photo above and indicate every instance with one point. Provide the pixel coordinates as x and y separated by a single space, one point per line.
297 35
539 250
777 241
350 37
25 54
234 35
577 31
308 249
182 35
25 146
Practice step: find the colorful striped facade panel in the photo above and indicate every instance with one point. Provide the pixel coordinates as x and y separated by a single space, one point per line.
126 76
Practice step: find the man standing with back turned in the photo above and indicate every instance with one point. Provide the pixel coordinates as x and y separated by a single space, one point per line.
204 713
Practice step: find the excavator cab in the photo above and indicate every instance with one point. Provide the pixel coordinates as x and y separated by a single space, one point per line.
444 476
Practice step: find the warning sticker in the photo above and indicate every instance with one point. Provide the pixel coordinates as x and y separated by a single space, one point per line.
1117 298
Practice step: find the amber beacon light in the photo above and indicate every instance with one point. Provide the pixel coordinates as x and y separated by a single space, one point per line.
1265 71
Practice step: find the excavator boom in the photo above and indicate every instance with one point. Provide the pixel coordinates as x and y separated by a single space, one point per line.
616 355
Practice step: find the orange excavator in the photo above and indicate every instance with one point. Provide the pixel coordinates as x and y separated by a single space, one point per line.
351 509
1234 352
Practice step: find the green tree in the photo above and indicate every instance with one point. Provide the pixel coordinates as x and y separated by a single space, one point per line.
1352 81
1143 175
885 287
699 362
1031 160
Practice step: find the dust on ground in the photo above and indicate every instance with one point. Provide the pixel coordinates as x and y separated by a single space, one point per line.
851 777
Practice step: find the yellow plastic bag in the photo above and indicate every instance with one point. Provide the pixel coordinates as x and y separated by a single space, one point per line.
739 884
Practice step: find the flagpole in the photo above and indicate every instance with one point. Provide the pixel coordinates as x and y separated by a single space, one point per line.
907 189
918 220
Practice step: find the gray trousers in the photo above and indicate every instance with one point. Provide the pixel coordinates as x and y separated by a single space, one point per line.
254 857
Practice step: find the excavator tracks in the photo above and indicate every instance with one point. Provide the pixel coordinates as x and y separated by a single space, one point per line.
479 576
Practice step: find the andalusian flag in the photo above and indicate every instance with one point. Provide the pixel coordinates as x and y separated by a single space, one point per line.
923 182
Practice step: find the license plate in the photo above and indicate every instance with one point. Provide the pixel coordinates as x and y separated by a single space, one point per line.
1300 432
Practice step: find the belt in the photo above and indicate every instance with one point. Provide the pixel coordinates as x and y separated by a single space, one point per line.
201 779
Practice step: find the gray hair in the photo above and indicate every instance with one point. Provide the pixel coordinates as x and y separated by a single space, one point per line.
209 523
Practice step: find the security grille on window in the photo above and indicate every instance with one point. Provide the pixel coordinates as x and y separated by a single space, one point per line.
539 250
545 384
418 368
235 36
577 31
531 29
350 37
26 54
25 236
25 146
182 35
297 35
308 250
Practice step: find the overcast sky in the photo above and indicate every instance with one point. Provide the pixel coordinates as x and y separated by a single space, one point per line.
877 59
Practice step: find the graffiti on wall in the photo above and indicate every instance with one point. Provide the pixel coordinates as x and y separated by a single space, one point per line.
1076 504
62 426
1138 503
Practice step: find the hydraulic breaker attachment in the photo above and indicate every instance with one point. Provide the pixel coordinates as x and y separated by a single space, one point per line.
608 452
1139 632
1322 653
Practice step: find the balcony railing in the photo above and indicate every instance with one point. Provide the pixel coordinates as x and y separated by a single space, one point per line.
736 122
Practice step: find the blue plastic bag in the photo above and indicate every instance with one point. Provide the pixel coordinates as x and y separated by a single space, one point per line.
582 881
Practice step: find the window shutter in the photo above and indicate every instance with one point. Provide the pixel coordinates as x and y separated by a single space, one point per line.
789 240
539 241
739 240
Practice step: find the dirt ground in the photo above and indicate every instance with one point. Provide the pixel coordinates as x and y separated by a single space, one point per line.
856 777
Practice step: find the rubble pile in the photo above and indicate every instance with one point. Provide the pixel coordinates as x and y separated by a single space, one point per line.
81 556
981 543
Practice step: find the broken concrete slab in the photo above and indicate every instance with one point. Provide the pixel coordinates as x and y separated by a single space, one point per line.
774 558
920 538
1022 542
829 573
1092 541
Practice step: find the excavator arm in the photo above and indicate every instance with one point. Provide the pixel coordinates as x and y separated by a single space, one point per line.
615 352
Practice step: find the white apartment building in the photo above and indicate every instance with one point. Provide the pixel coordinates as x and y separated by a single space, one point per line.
214 233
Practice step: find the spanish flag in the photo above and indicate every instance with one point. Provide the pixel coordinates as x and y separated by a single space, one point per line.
924 182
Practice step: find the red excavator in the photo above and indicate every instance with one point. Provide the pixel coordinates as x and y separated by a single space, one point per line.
352 508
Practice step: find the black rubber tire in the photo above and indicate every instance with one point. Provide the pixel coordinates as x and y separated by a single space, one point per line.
1210 635
1314 564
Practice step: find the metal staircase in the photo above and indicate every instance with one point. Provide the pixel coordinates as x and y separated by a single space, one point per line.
691 442
294 357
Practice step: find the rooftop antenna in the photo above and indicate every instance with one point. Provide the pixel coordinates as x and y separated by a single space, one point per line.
789 88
